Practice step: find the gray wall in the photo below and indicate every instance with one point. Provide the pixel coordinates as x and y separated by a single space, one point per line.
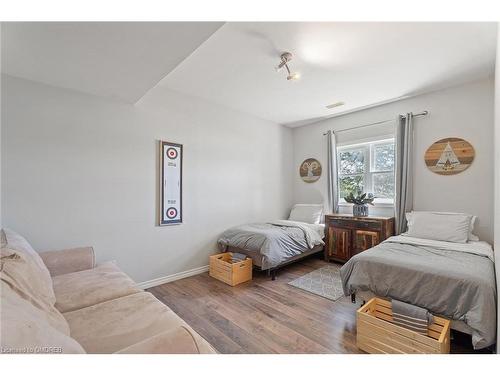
81 170
497 178
463 111
1 151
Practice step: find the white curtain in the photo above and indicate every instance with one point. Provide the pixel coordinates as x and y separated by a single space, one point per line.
403 200
333 196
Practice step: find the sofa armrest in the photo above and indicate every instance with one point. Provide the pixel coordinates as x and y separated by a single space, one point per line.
60 262
174 341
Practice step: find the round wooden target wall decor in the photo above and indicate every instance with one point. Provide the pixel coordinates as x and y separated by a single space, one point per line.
310 170
449 156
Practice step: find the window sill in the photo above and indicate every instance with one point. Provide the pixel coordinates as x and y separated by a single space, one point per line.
376 205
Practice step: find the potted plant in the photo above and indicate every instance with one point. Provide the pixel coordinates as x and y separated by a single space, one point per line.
361 202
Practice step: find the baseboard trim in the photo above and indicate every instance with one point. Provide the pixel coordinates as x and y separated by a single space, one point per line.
170 278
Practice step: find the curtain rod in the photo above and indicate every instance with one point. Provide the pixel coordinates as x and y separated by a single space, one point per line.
423 113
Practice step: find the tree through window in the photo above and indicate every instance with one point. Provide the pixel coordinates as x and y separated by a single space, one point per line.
367 167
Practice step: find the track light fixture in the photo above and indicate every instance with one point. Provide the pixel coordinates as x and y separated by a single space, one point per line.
286 57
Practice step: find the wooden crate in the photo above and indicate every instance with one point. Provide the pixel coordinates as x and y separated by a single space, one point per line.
233 274
377 334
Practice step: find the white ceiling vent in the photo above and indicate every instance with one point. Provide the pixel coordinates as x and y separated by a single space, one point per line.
333 105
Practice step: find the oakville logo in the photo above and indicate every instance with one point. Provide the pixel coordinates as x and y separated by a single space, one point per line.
448 159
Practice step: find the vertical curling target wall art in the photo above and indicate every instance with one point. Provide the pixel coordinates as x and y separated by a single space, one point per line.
170 183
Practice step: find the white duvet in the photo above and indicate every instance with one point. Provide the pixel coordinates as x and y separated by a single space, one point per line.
314 233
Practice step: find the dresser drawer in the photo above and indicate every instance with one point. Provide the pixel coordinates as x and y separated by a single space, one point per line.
340 223
367 224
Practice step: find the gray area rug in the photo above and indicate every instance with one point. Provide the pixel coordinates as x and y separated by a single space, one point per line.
324 282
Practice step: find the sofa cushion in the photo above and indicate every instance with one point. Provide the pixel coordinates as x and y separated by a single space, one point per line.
86 288
177 340
111 326
21 273
25 328
60 262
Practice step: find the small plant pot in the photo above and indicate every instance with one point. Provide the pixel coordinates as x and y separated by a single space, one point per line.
360 210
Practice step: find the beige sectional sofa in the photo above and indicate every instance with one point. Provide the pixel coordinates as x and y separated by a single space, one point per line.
62 302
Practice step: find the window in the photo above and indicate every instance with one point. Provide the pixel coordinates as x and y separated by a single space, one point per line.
367 167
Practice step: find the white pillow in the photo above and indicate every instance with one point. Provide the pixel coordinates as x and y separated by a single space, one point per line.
471 236
307 213
440 226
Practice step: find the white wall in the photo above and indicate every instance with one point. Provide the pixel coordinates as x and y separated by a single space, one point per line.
497 179
81 170
463 111
1 136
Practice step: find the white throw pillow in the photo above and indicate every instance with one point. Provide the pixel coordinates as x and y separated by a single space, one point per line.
440 226
307 213
24 271
3 239
471 236
17 242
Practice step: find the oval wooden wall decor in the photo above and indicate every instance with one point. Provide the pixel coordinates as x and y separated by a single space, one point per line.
449 156
310 170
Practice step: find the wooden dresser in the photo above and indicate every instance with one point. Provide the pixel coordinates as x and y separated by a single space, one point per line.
347 235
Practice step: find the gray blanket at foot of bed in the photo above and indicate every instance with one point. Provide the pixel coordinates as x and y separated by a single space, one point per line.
455 284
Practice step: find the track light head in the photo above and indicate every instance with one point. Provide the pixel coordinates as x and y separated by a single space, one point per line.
286 57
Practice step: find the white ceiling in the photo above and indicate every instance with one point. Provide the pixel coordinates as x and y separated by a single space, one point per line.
121 60
358 63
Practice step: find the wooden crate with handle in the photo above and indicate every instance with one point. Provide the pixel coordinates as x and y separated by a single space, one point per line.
377 334
233 274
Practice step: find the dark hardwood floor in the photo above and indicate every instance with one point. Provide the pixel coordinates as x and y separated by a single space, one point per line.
265 316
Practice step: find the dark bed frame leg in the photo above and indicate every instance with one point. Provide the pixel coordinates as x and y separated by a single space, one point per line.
271 273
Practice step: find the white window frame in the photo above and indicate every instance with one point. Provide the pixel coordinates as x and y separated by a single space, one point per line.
368 149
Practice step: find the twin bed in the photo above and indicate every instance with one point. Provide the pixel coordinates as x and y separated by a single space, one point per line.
452 280
274 244
438 264
277 243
